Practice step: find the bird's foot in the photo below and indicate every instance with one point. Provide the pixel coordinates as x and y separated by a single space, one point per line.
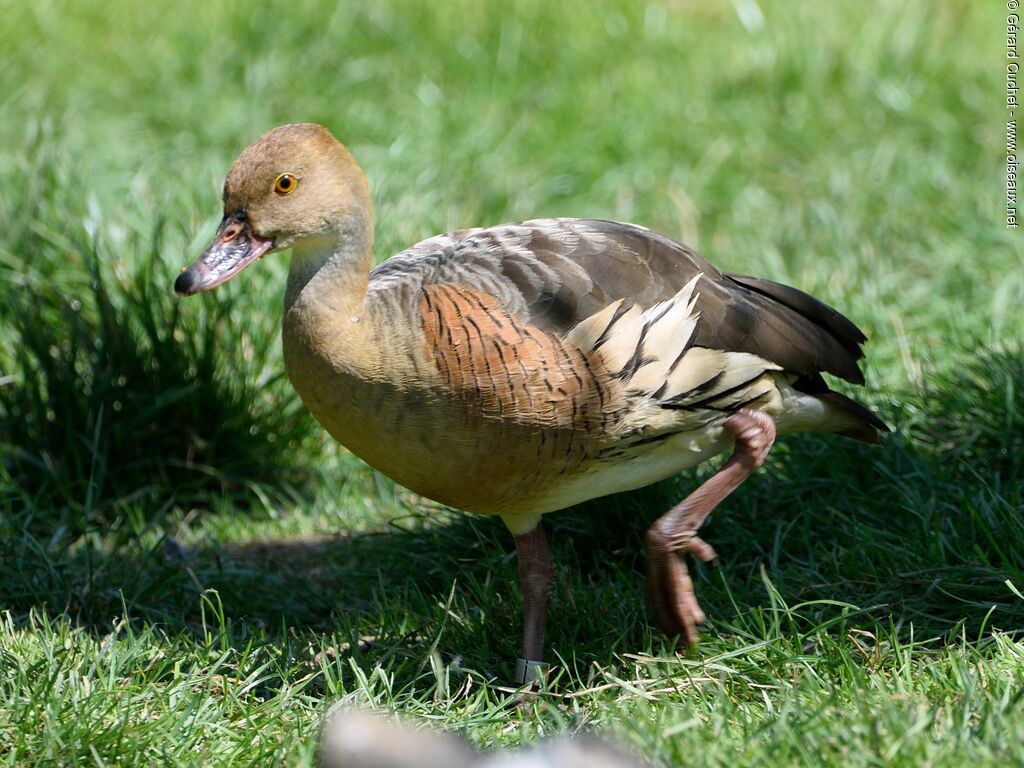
531 672
674 534
531 677
669 586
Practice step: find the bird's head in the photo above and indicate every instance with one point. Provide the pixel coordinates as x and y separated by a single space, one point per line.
296 185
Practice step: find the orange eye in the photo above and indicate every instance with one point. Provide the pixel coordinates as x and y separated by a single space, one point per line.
285 184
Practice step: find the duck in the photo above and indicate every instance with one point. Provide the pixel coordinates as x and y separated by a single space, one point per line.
520 369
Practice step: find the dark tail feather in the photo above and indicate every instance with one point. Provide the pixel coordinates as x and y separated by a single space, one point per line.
870 425
840 340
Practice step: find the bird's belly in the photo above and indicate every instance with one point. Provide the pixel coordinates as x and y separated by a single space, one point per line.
489 468
439 449
443 448
629 469
504 470
507 469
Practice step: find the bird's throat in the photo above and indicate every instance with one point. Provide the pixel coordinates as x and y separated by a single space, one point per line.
331 269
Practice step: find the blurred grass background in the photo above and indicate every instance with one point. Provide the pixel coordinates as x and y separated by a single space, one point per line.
190 573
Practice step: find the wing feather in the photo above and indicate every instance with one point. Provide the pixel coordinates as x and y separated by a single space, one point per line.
555 273
665 321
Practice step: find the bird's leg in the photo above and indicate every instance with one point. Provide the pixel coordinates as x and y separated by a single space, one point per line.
536 576
669 588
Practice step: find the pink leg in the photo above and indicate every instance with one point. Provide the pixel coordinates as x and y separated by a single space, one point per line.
669 588
536 576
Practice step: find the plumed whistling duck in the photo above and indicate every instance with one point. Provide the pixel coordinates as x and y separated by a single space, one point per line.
520 369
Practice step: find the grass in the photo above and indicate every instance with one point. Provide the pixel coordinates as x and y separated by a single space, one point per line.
190 573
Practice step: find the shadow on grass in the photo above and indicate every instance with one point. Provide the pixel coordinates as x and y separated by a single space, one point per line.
924 531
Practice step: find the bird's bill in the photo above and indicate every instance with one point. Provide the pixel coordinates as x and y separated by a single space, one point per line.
234 247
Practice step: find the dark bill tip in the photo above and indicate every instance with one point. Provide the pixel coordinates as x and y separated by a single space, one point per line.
188 282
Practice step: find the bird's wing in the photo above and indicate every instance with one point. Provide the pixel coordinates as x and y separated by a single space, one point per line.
554 274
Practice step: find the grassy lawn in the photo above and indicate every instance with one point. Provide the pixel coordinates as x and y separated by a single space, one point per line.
191 573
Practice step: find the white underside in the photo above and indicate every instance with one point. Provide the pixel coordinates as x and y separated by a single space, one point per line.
604 478
792 410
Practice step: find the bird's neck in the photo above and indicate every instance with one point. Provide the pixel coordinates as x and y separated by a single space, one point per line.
326 326
331 271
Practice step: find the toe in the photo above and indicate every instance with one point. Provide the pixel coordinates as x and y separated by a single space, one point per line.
672 599
701 549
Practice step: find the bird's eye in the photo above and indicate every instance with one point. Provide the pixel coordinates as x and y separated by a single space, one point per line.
285 184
